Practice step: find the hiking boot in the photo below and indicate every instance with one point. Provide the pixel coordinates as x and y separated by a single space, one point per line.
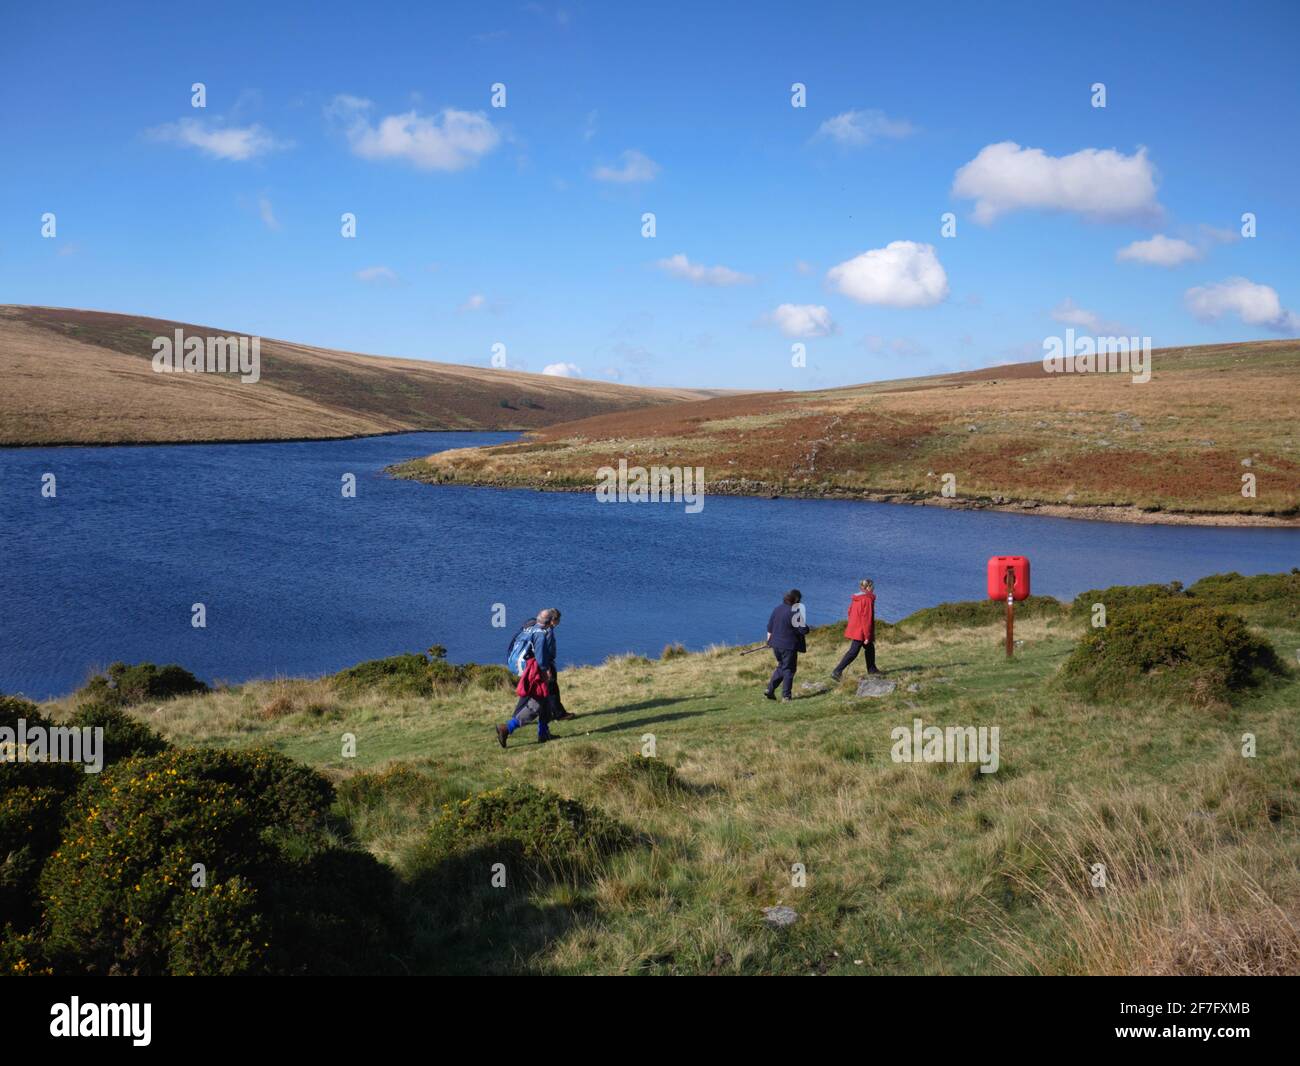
770 695
502 733
564 717
835 677
549 736
787 699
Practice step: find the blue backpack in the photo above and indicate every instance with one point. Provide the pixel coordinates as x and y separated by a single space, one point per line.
521 647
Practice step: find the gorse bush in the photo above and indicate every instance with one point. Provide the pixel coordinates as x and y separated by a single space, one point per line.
977 613
35 795
548 832
1117 596
1270 599
414 674
123 686
1173 647
124 892
124 737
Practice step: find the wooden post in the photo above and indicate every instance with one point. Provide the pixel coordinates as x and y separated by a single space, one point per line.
1011 611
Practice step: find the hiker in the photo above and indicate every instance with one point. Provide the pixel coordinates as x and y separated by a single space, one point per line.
861 629
785 636
532 657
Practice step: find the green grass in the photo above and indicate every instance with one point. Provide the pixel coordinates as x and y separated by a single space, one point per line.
911 868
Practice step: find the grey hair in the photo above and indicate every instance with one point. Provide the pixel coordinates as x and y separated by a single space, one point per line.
548 614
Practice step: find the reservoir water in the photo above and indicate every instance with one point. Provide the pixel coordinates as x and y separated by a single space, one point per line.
297 580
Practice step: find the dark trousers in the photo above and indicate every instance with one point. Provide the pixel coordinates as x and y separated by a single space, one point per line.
544 711
855 647
787 662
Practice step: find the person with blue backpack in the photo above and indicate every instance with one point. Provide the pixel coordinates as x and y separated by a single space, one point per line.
532 657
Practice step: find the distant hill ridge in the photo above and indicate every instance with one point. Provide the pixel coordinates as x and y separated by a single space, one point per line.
87 377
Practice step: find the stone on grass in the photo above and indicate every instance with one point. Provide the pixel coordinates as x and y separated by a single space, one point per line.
780 917
876 686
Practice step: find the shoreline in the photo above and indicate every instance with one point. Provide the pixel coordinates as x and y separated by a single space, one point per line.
240 440
1128 514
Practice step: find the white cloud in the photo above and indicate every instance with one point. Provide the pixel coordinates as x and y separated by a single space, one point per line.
267 212
562 370
803 320
237 143
449 140
857 128
1159 251
1098 183
476 302
377 274
681 267
1071 314
1253 303
901 274
803 267
634 166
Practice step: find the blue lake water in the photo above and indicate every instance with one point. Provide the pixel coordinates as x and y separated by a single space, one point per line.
299 581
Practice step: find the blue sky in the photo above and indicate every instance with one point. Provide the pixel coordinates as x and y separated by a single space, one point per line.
522 225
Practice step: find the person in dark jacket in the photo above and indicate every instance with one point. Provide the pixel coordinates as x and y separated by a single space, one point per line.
861 629
785 636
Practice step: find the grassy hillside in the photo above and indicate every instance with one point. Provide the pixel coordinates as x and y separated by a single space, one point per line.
1013 436
86 377
910 868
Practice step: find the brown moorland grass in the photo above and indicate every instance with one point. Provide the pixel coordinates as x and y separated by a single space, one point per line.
86 377
1177 445
911 867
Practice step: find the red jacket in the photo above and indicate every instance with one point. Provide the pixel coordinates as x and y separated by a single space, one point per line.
532 682
862 617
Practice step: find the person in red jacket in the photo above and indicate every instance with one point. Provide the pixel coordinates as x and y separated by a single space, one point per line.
861 629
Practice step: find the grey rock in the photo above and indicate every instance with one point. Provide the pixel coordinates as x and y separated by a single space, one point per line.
780 917
913 687
876 686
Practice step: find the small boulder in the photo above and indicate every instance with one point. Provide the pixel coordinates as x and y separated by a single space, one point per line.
876 686
780 917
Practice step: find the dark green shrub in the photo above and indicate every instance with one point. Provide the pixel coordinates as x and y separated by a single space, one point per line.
399 675
118 892
636 772
546 832
32 798
124 685
1172 647
1118 596
1269 599
220 932
978 613
124 737
423 675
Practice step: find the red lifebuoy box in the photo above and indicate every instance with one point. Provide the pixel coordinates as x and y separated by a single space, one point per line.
997 573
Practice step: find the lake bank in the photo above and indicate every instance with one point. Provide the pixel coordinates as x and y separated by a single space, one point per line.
1122 513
